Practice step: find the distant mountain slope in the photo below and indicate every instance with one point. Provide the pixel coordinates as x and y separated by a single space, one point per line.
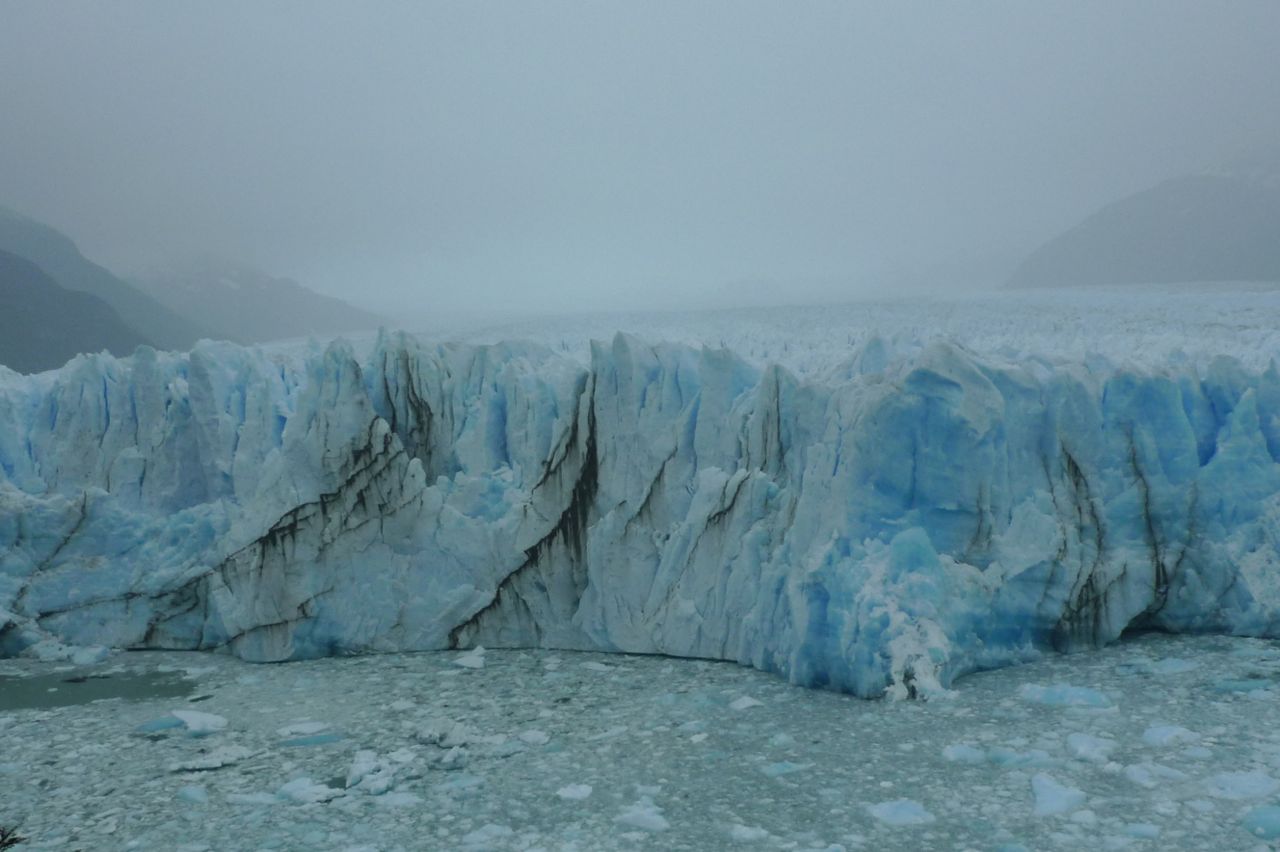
58 256
247 305
42 325
1213 227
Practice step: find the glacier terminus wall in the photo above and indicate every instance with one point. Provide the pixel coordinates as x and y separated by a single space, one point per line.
905 519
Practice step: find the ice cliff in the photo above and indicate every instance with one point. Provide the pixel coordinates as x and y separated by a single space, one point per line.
909 518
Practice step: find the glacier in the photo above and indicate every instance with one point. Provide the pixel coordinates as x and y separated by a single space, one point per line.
909 516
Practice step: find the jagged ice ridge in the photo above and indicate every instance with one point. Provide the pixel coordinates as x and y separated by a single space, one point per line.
900 521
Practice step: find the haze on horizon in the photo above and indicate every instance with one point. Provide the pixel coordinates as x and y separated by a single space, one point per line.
415 158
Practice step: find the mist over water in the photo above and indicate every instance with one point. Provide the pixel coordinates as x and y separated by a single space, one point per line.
420 159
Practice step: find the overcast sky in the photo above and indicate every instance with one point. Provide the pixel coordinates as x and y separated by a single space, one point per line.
550 155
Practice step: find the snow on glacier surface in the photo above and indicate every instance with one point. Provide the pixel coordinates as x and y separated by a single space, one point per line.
877 497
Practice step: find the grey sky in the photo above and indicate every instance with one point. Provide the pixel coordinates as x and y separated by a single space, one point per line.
588 155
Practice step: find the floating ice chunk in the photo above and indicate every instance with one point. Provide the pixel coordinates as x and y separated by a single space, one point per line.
486 836
1173 665
964 753
1090 748
1263 822
697 738
784 767
473 659
370 774
901 812
52 651
1054 798
252 799
746 702
593 666
615 731
299 729
450 759
645 815
460 783
402 704
304 791
1166 735
1142 830
535 738
1247 685
312 740
215 759
444 732
398 799
746 834
1152 775
1064 695
1002 756
198 723
1242 785
193 793
164 723
574 792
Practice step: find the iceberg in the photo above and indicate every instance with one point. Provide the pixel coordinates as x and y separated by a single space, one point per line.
914 515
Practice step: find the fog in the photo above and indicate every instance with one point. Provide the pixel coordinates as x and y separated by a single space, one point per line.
421 158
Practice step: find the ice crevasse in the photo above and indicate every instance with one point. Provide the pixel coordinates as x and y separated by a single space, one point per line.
914 515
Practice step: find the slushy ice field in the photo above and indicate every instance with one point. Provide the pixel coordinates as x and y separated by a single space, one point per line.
1003 507
1156 743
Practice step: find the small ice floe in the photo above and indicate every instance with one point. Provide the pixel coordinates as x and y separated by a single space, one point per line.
402 704
697 738
370 774
1090 748
486 836
574 792
215 759
311 740
163 723
746 833
745 702
1054 798
1167 735
1064 695
251 799
450 759
1152 775
901 813
302 729
193 794
535 738
1173 666
304 791
1263 822
784 767
964 753
473 659
615 731
52 651
1142 830
1242 785
593 666
398 799
1013 759
199 724
444 732
643 814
